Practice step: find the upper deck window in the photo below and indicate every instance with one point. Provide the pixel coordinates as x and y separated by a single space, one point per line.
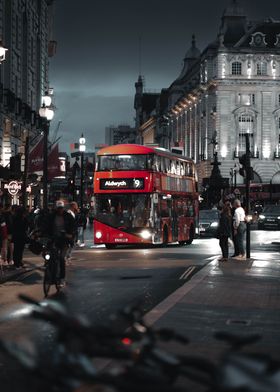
124 162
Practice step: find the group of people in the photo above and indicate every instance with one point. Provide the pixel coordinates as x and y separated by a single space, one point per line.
16 223
13 234
232 226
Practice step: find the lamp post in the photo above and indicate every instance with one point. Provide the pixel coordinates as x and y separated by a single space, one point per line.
46 112
82 149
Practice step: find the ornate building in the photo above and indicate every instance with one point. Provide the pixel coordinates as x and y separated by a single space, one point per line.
25 30
230 89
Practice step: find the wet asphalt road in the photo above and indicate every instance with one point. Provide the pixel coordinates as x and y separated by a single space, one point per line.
100 282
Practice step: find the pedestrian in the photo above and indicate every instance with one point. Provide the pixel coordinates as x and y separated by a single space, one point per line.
73 212
19 235
8 214
82 223
61 226
239 228
225 230
3 237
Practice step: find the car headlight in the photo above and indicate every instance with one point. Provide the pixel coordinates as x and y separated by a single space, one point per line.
98 235
261 216
214 224
278 217
145 234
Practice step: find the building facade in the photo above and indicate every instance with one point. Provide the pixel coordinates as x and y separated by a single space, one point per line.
230 89
119 135
26 31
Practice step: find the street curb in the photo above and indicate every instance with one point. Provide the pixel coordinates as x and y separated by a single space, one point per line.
168 303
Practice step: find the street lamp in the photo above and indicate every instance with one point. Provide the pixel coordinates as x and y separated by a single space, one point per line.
46 112
82 149
2 52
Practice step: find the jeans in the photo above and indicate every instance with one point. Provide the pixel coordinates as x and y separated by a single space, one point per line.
240 238
224 245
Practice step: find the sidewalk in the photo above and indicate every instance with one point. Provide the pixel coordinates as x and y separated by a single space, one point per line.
31 262
242 297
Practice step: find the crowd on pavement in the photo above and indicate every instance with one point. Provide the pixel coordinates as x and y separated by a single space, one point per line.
18 223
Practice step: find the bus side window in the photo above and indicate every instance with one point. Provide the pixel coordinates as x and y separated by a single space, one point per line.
182 168
173 167
191 169
178 168
163 165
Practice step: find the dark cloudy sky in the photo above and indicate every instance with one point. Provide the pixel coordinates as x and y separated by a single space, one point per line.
97 61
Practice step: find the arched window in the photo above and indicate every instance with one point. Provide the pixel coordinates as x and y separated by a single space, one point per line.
262 68
246 125
236 68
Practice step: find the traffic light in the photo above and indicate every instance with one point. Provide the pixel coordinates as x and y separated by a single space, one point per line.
242 161
71 186
246 169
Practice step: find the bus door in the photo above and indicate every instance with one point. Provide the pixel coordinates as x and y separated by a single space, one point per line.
155 218
174 220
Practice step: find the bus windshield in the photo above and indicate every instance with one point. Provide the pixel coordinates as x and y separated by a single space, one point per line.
123 210
124 162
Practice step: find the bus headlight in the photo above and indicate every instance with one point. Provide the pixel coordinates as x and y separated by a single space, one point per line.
98 235
145 234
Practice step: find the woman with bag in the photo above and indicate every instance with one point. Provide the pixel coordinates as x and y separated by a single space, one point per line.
225 230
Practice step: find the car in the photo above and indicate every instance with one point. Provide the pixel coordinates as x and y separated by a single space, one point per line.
208 223
270 218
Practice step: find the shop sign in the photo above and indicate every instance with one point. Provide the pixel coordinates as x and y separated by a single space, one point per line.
13 187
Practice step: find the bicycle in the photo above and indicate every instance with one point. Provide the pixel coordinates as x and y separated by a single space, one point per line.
51 250
52 255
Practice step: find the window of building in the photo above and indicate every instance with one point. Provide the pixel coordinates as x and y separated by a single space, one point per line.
246 99
246 126
279 99
261 68
236 68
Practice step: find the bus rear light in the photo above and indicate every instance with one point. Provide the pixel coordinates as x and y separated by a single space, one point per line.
98 235
145 234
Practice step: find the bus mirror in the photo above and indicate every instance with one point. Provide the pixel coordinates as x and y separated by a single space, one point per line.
155 198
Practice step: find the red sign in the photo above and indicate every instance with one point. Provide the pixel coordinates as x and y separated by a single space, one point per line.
54 163
36 157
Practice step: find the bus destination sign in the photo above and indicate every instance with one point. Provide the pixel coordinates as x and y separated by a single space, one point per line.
122 183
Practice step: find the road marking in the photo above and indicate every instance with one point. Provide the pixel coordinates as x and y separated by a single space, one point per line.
187 273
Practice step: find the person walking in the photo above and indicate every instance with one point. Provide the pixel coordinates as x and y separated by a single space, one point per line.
73 212
82 224
19 235
239 228
225 230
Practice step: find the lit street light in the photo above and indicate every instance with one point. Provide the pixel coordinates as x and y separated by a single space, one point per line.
82 149
46 112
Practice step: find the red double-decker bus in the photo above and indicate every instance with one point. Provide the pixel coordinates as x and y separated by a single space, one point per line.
144 195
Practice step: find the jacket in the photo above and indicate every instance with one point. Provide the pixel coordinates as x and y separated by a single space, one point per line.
225 227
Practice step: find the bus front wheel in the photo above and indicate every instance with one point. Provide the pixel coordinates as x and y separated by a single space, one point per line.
165 236
191 236
110 246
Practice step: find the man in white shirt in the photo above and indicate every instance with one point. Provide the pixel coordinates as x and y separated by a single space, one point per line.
239 228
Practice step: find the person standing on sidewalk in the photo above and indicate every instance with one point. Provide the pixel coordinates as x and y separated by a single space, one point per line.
8 214
239 228
225 230
3 237
19 235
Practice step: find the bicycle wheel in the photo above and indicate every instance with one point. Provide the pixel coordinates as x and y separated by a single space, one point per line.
47 282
